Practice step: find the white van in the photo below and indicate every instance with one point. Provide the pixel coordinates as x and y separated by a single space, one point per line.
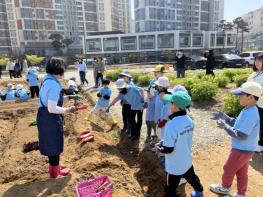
249 57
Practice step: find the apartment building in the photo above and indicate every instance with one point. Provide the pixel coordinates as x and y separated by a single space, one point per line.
255 21
28 24
5 42
165 15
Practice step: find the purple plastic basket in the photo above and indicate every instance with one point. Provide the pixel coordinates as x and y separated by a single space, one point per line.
89 188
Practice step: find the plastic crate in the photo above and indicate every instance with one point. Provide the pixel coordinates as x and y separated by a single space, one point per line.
91 188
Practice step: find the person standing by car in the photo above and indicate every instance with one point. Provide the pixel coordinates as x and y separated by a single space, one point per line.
180 64
210 63
257 76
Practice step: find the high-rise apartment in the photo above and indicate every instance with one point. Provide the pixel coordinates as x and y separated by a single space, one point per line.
163 15
255 21
28 24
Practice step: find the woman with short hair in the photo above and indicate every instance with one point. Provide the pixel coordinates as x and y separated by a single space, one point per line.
50 119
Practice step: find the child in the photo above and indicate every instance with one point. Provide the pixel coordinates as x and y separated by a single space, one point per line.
104 97
150 114
21 93
32 79
72 87
9 94
177 146
244 132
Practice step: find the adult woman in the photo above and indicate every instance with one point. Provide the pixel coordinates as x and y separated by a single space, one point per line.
100 71
50 119
257 76
95 64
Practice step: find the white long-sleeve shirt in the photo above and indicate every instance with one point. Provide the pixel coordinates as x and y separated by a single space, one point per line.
82 67
258 78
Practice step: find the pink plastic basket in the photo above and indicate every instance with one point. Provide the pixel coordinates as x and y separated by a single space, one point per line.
91 188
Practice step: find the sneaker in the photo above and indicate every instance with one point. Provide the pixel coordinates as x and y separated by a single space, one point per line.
219 189
259 149
182 181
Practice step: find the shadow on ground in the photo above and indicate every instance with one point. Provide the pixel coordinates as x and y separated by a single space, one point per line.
38 188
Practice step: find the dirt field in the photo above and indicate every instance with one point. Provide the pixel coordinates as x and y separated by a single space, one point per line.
135 170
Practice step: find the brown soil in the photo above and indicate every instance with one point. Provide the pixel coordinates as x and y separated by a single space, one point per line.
135 171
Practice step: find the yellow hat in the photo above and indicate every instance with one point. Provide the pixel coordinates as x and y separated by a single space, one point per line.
160 68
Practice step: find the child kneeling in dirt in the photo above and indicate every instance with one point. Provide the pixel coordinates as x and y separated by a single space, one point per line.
177 146
244 132
21 93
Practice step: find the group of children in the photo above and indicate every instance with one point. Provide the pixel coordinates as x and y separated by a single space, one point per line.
168 110
13 93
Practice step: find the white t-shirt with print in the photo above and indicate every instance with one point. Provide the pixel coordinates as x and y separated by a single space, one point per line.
178 134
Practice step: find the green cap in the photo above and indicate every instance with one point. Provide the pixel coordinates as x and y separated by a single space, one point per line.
181 99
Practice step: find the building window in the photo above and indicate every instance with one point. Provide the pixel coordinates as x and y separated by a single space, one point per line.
166 41
147 42
220 39
128 43
184 40
93 45
230 39
197 40
111 44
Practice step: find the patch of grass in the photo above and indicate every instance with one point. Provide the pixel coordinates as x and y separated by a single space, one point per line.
114 134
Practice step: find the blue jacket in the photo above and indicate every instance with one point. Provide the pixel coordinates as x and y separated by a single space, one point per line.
32 78
22 94
10 95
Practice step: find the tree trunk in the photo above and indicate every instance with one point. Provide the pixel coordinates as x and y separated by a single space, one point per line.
242 41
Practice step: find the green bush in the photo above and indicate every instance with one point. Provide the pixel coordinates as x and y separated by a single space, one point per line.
207 78
199 74
186 82
113 75
135 76
204 90
144 80
240 79
221 80
231 73
171 76
231 105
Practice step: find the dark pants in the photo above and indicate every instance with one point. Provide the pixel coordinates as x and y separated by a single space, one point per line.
125 117
12 74
150 126
0 73
180 72
136 124
172 182
210 72
83 79
53 160
260 142
18 74
98 77
34 90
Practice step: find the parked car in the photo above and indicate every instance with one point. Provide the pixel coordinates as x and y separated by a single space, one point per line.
195 62
229 61
249 57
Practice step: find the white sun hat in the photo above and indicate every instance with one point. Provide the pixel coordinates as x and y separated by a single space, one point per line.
162 82
120 83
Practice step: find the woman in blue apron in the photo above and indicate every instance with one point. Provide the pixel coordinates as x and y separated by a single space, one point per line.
50 119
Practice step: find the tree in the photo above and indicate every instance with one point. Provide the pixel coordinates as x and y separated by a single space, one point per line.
56 41
225 26
244 28
237 23
66 42
167 54
34 60
4 61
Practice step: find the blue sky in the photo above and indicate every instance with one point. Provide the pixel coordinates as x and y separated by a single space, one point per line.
235 8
